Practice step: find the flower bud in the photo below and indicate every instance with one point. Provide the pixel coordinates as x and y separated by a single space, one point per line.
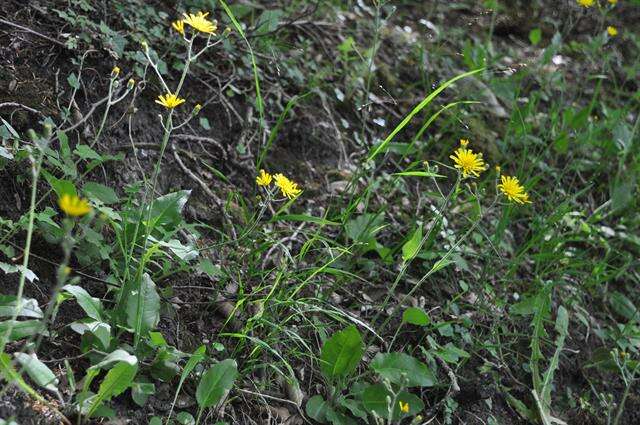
196 109
131 83
115 72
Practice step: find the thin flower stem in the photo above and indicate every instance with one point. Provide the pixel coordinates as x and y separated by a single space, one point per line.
36 166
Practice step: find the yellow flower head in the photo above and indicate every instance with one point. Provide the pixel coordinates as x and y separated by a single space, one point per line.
199 22
67 270
115 71
464 143
586 3
498 169
74 206
169 100
404 407
513 190
470 163
612 31
286 186
264 178
178 26
613 2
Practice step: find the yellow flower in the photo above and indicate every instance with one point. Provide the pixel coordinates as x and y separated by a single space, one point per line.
67 270
404 407
470 163
74 206
178 26
586 3
169 100
612 31
464 143
613 2
498 169
264 178
286 186
200 22
115 71
513 190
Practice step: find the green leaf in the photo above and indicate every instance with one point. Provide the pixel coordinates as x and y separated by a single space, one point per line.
415 316
29 308
185 418
402 369
341 353
535 35
86 153
144 314
451 354
12 376
16 268
60 186
117 356
101 330
115 383
39 373
193 361
167 209
623 306
216 382
72 79
316 408
21 329
374 399
411 247
100 192
91 305
426 101
140 392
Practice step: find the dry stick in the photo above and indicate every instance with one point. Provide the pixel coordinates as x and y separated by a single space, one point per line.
29 30
20 105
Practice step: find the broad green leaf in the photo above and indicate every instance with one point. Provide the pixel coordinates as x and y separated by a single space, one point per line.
117 356
86 153
185 418
91 305
140 392
18 268
22 329
144 313
402 369
193 361
415 316
39 373
167 209
623 306
374 399
451 354
316 408
101 330
336 417
100 192
11 375
117 380
60 186
29 307
411 247
341 353
216 382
